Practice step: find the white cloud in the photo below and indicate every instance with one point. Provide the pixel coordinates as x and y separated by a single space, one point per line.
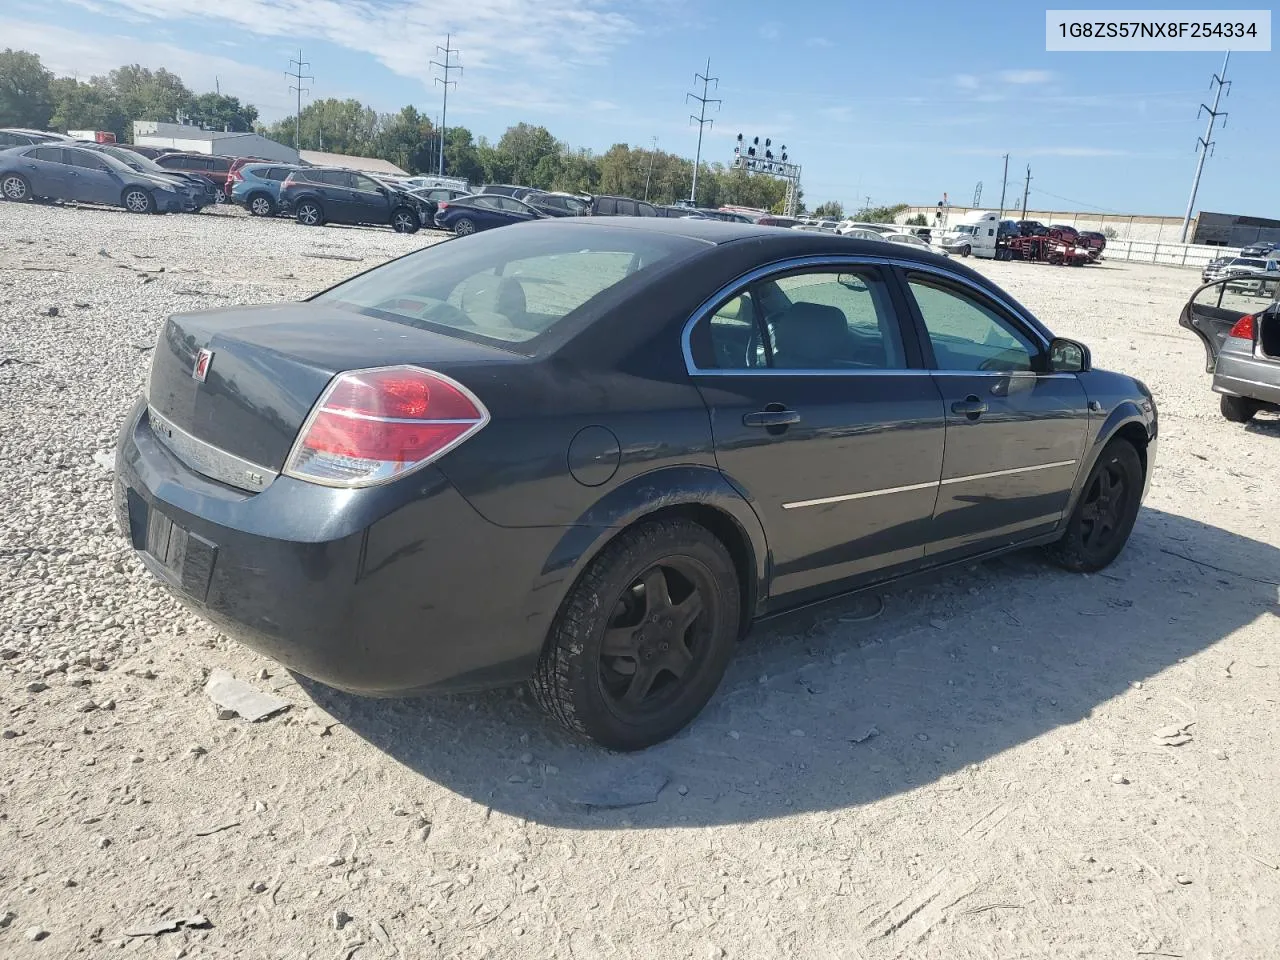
770 31
966 81
819 42
497 39
1026 76
70 53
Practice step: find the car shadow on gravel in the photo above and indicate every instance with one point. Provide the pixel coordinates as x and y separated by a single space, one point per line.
827 709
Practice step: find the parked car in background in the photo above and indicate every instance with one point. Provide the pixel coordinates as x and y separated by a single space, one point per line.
846 225
430 197
502 189
1261 249
257 186
1239 326
20 137
468 215
204 193
912 240
1213 269
233 172
433 182
609 206
1032 228
1250 267
216 169
1095 243
56 172
774 220
315 196
557 204
525 455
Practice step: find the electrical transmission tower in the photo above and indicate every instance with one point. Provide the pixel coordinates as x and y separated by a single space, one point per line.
701 119
448 50
1204 145
297 66
977 195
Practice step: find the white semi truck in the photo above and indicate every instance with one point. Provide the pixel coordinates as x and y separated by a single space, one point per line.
977 233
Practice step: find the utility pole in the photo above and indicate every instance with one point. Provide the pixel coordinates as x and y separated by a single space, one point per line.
1205 144
701 120
298 76
1026 190
1004 183
448 50
653 150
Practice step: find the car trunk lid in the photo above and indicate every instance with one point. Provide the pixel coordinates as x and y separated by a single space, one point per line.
267 366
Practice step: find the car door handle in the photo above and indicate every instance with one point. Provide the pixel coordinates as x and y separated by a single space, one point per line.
971 406
770 418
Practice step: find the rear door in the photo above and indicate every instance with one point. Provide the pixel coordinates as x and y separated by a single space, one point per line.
369 202
1014 433
1214 309
48 173
823 417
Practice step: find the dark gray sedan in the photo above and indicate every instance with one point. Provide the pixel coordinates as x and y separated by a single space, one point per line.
589 452
66 172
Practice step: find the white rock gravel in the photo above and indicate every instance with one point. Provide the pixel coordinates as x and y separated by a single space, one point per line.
979 821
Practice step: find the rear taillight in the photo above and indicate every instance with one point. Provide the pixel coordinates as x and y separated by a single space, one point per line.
1243 328
442 205
371 426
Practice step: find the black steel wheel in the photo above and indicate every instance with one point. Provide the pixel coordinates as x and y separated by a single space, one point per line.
1103 518
15 187
1238 409
643 638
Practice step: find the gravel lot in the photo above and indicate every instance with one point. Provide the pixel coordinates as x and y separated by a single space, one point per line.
971 774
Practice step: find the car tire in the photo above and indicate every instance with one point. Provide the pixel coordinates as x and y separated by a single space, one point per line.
1104 516
1238 409
15 187
662 598
404 220
464 227
261 205
137 200
309 214
965 251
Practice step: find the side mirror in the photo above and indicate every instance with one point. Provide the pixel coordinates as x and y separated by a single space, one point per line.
1068 356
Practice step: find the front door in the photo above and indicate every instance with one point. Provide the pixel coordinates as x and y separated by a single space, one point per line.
823 418
91 179
369 202
1015 434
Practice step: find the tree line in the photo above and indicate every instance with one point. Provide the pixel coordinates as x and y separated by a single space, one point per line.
31 96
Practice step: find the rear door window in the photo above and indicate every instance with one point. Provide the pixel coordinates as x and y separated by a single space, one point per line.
607 207
219 164
47 154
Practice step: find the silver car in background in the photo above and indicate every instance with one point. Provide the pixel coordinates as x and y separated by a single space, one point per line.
1238 321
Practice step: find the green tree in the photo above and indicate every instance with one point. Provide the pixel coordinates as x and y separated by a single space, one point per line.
525 146
881 214
86 106
145 94
919 220
832 208
461 156
25 96
218 112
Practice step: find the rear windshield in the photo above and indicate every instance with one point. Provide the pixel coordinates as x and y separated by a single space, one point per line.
509 284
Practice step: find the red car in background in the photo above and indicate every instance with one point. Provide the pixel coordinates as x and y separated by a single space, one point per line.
217 169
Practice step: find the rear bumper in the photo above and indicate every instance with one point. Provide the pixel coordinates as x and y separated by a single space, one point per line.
1247 377
388 591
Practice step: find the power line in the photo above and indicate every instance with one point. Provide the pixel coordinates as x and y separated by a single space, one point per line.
701 119
298 76
1204 144
448 50
1078 203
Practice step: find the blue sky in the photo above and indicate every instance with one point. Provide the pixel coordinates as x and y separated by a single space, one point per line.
895 101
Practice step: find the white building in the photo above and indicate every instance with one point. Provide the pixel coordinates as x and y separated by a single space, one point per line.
218 143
